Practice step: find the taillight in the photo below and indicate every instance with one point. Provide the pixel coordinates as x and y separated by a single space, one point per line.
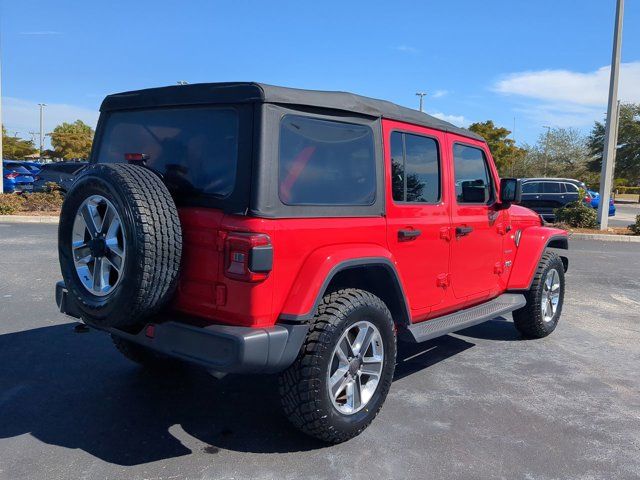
136 157
11 175
248 256
587 199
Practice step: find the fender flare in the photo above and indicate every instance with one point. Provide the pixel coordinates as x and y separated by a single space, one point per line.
302 308
533 242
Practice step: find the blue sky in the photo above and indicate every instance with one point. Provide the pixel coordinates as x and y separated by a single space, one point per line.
542 62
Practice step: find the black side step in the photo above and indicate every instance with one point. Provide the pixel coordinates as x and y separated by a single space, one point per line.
505 303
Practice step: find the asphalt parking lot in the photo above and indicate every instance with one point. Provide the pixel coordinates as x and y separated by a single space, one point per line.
625 214
478 404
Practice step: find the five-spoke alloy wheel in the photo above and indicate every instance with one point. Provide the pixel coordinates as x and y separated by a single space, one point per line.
343 373
355 371
98 245
550 294
539 317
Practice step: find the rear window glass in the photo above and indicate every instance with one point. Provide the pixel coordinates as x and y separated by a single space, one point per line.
17 168
551 187
326 162
195 149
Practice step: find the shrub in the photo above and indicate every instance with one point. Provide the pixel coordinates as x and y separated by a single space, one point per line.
577 215
10 203
42 202
635 227
51 187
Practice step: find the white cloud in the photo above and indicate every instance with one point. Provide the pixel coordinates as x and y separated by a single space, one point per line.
439 93
407 49
566 98
457 120
23 116
589 88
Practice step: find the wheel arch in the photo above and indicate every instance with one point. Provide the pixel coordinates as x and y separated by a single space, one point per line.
373 274
531 244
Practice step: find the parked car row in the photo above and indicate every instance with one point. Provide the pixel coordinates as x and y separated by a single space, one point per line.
544 195
24 177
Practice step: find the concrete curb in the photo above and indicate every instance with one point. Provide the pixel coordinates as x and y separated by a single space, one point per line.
605 238
29 219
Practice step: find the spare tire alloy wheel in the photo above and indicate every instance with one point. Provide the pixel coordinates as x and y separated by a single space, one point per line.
98 245
119 245
356 367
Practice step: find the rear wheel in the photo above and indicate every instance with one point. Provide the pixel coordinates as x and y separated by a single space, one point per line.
343 373
540 316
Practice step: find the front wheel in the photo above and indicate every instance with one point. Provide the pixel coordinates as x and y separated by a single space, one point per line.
343 373
540 316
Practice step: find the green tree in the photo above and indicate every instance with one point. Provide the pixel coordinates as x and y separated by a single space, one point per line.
560 152
72 140
15 148
503 149
627 164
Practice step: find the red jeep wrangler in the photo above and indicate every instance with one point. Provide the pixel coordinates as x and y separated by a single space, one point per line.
251 228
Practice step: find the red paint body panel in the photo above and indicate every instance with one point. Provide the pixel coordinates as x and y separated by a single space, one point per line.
439 272
532 244
422 260
316 268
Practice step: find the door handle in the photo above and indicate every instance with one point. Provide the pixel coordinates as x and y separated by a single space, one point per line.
463 231
406 235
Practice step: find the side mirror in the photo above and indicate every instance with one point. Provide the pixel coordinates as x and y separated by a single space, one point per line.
510 191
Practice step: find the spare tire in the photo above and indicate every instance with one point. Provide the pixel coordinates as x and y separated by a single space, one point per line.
119 244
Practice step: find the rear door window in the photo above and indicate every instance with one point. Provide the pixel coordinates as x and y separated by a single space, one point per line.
551 187
195 149
324 162
415 168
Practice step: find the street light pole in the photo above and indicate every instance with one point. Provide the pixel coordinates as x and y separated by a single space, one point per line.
610 142
421 95
546 149
42 105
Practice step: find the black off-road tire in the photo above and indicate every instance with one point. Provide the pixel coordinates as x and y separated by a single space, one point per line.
144 356
529 320
303 386
153 246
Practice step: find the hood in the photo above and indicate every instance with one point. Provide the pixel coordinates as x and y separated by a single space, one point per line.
521 215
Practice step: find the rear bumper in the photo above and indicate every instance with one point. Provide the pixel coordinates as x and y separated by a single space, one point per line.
221 348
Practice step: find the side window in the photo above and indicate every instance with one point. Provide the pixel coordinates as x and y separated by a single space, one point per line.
551 187
571 188
415 168
324 162
473 181
531 187
397 166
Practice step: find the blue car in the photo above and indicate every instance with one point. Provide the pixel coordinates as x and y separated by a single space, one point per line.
593 200
16 178
33 167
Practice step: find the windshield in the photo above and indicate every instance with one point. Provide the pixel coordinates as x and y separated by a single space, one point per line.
194 149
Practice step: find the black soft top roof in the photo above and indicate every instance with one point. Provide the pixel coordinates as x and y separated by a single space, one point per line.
249 92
